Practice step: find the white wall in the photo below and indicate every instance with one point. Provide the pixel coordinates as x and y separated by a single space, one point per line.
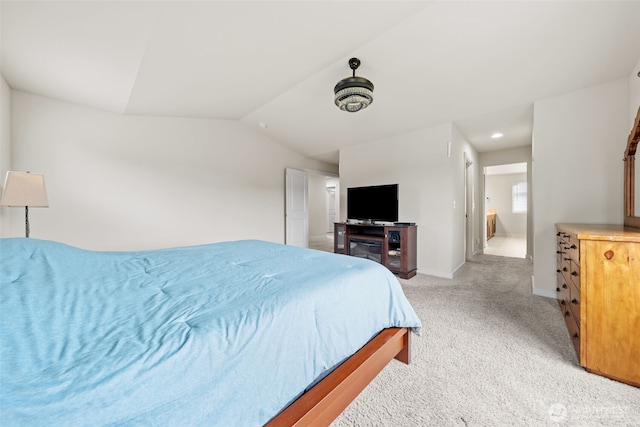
498 193
131 182
634 93
429 184
5 145
579 141
509 156
634 109
461 151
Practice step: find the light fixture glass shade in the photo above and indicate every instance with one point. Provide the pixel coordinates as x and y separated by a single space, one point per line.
24 189
353 99
353 93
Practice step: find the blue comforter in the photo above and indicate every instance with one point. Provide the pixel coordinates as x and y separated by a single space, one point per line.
222 334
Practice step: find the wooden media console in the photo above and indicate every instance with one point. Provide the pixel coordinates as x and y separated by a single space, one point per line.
393 246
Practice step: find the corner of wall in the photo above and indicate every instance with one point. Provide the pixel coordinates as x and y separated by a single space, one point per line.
5 128
541 292
5 144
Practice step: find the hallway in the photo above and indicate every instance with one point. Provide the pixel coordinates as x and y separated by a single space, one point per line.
514 247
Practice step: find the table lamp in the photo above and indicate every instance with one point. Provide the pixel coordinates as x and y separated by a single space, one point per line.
24 189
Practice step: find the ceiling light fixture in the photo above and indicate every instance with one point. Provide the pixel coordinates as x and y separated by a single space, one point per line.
496 135
353 94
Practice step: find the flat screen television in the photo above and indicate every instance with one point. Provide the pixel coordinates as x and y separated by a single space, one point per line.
373 203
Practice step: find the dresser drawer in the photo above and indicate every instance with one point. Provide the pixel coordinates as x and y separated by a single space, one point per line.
565 265
574 273
573 329
562 288
560 249
572 245
562 235
569 256
574 302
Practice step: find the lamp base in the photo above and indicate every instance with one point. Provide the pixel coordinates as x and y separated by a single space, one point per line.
26 221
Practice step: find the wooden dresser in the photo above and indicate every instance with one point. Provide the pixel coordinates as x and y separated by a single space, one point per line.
598 290
491 223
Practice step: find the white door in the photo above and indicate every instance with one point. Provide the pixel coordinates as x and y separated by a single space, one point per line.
297 208
469 208
331 208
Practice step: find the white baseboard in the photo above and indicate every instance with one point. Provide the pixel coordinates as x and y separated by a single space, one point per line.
542 292
435 273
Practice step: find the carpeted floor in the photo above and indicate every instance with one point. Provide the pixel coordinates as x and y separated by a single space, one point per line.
490 354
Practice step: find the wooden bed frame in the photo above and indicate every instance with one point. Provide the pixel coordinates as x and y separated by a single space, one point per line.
326 400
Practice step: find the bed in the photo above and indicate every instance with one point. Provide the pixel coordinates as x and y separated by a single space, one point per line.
234 333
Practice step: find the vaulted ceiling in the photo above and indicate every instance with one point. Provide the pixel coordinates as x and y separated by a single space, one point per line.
479 64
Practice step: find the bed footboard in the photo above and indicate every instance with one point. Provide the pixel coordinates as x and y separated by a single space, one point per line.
327 399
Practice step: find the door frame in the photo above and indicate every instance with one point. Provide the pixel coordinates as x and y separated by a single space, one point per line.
469 208
302 215
296 208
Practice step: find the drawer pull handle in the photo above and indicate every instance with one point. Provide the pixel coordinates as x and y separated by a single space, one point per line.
574 273
574 301
567 259
564 286
567 314
609 254
557 270
565 269
559 252
573 247
575 336
557 289
563 302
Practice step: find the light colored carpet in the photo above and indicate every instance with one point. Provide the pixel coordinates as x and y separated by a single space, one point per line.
322 243
490 354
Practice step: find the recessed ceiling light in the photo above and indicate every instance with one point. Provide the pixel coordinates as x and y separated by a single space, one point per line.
262 125
496 135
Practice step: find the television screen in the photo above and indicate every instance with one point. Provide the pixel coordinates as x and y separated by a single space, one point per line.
374 203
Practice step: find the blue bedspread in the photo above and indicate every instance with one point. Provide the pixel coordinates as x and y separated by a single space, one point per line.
222 334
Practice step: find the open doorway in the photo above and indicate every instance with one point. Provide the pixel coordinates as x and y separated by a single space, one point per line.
308 209
324 208
506 210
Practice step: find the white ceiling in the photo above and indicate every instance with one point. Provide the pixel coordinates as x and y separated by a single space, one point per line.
479 64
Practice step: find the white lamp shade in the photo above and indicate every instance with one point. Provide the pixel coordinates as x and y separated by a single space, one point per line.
24 189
